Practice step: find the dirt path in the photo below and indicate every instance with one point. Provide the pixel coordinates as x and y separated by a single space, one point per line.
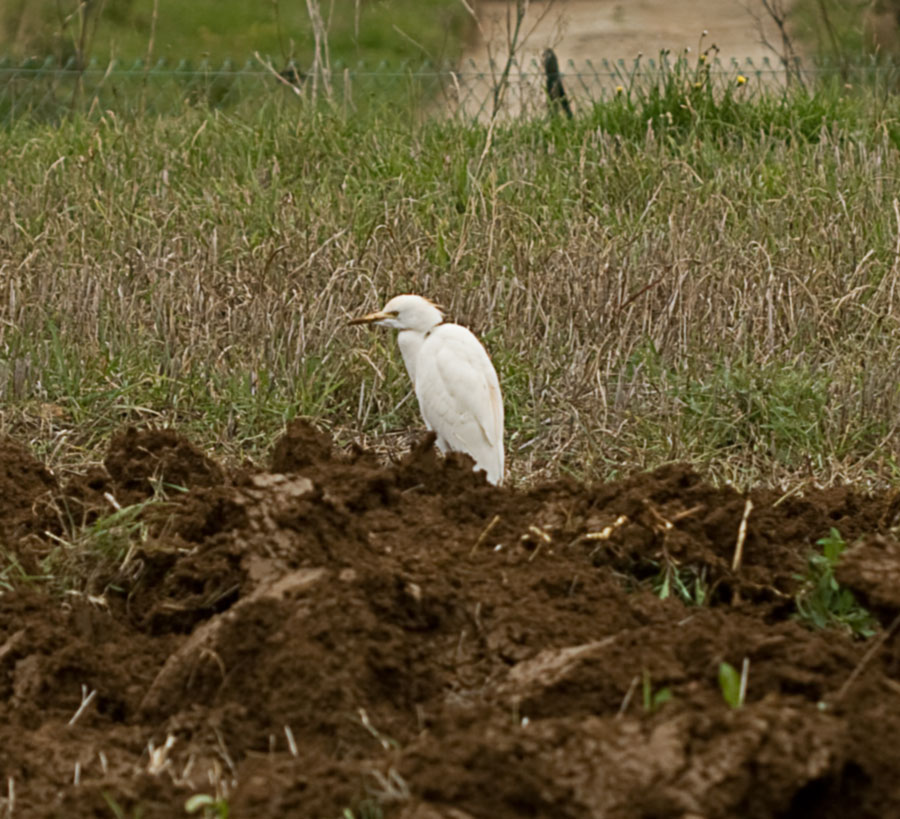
580 30
584 33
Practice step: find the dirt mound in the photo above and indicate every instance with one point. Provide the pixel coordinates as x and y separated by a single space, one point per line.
302 445
138 458
871 568
338 635
24 481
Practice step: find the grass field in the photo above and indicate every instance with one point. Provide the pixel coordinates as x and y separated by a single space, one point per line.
392 30
678 275
700 270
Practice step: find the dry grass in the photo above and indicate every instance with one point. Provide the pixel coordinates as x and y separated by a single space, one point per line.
721 289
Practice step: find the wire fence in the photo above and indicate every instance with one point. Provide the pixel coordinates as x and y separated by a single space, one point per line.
43 90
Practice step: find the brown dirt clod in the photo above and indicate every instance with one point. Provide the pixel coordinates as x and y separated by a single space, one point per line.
338 633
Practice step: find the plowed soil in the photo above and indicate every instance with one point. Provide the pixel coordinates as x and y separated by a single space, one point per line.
334 636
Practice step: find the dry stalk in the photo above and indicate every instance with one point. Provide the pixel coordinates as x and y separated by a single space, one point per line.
688 513
159 757
876 646
745 676
366 722
741 537
292 743
626 700
288 84
512 44
516 40
86 700
660 524
148 57
321 65
484 535
778 13
605 533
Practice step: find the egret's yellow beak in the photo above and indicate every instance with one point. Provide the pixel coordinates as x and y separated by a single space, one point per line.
370 318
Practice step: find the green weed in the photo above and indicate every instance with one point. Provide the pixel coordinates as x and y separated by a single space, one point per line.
688 583
212 807
88 554
653 700
821 602
367 809
733 683
118 811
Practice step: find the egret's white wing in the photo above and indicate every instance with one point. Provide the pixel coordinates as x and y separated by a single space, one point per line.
459 395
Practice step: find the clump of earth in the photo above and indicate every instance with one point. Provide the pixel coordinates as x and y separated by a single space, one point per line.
334 633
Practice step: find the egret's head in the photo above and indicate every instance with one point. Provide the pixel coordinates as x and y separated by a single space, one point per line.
405 313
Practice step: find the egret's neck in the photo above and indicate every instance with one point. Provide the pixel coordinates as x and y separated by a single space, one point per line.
410 342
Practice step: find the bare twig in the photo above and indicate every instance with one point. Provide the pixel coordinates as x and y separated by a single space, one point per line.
626 700
484 535
745 674
787 54
154 17
871 652
741 537
86 700
159 757
832 37
292 743
512 47
321 65
278 76
606 532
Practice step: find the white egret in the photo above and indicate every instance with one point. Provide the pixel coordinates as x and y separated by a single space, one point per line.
455 382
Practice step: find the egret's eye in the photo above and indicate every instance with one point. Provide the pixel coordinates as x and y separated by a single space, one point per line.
394 313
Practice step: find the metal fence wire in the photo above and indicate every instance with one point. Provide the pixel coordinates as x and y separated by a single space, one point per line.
41 89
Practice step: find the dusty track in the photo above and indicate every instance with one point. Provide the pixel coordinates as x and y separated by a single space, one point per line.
332 631
598 43
582 30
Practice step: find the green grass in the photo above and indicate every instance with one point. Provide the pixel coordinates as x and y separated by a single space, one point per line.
831 28
391 30
82 562
716 286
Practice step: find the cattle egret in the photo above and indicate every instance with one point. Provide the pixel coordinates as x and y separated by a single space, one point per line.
455 382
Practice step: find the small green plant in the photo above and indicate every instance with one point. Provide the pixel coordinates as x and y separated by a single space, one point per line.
821 602
368 809
653 700
689 583
212 808
733 684
118 811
